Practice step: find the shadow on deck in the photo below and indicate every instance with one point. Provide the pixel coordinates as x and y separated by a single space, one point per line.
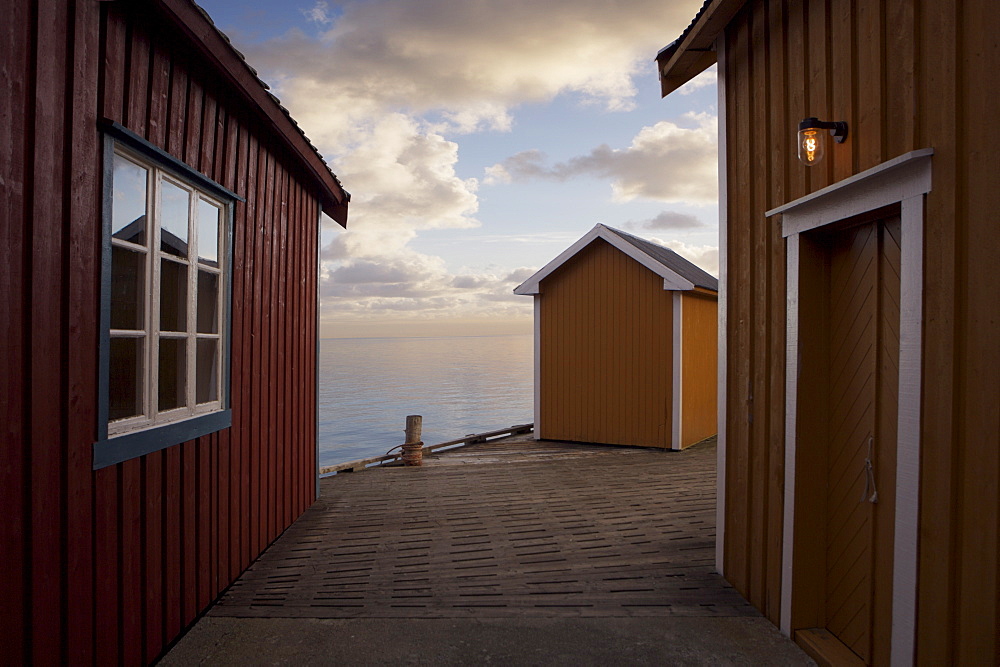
507 528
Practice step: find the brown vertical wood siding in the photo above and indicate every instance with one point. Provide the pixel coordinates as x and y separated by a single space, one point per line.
110 565
905 75
606 349
700 369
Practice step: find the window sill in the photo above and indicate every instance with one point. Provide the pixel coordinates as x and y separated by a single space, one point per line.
139 443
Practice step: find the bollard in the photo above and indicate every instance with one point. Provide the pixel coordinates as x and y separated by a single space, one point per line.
413 454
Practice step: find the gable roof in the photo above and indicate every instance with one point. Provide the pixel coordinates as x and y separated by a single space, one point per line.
216 50
694 51
677 272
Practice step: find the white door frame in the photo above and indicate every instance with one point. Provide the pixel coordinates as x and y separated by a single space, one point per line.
904 180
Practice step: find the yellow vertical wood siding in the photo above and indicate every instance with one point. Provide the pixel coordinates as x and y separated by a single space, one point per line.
905 75
699 354
606 351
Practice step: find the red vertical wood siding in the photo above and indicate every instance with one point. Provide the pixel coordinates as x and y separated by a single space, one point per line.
110 565
15 53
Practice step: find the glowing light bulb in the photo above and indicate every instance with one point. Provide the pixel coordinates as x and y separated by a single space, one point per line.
811 142
812 138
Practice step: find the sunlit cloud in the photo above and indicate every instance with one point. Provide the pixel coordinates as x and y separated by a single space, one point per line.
405 179
365 290
470 61
386 88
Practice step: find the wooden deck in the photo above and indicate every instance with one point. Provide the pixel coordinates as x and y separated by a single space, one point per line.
505 528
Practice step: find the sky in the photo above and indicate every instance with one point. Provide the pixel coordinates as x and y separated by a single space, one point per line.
479 139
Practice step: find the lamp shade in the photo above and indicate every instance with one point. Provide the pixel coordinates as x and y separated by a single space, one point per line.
811 146
812 138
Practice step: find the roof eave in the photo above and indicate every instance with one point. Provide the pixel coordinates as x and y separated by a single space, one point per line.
216 49
694 51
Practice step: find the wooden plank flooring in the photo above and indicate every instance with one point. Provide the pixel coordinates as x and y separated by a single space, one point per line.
499 529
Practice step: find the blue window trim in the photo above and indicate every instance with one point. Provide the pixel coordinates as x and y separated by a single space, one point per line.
139 443
109 451
165 160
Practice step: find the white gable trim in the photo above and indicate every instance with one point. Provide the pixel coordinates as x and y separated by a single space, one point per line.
671 280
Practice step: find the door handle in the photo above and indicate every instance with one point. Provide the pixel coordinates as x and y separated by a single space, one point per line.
870 493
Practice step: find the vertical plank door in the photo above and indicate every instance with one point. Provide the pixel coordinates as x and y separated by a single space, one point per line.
862 405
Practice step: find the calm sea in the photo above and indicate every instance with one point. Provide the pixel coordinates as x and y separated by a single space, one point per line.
461 385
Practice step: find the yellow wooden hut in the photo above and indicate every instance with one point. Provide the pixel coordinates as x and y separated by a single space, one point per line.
625 344
859 432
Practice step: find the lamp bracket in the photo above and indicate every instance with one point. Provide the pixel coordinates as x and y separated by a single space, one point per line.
838 128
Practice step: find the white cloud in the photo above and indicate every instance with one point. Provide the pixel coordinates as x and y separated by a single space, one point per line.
382 287
470 61
665 162
319 13
385 87
405 180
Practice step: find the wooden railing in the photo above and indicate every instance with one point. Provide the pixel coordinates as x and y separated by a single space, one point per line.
390 458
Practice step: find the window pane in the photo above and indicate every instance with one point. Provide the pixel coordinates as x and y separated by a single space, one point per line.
208 233
128 282
173 296
207 371
128 207
208 302
126 378
173 219
173 373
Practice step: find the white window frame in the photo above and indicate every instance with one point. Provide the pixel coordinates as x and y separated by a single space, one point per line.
152 333
154 429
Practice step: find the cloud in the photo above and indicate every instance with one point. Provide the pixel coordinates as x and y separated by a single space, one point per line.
405 179
470 61
383 87
319 13
469 282
665 162
382 287
668 220
364 272
518 276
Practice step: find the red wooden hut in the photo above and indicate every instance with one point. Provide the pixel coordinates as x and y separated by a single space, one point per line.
158 273
858 431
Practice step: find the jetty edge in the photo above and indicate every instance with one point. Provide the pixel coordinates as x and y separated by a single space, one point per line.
396 458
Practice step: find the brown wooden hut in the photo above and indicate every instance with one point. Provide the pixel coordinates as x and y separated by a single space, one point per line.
859 302
158 273
625 344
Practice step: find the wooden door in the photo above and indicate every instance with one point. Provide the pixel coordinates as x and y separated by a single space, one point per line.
863 353
855 392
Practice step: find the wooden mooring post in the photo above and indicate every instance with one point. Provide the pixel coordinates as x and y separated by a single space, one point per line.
413 454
